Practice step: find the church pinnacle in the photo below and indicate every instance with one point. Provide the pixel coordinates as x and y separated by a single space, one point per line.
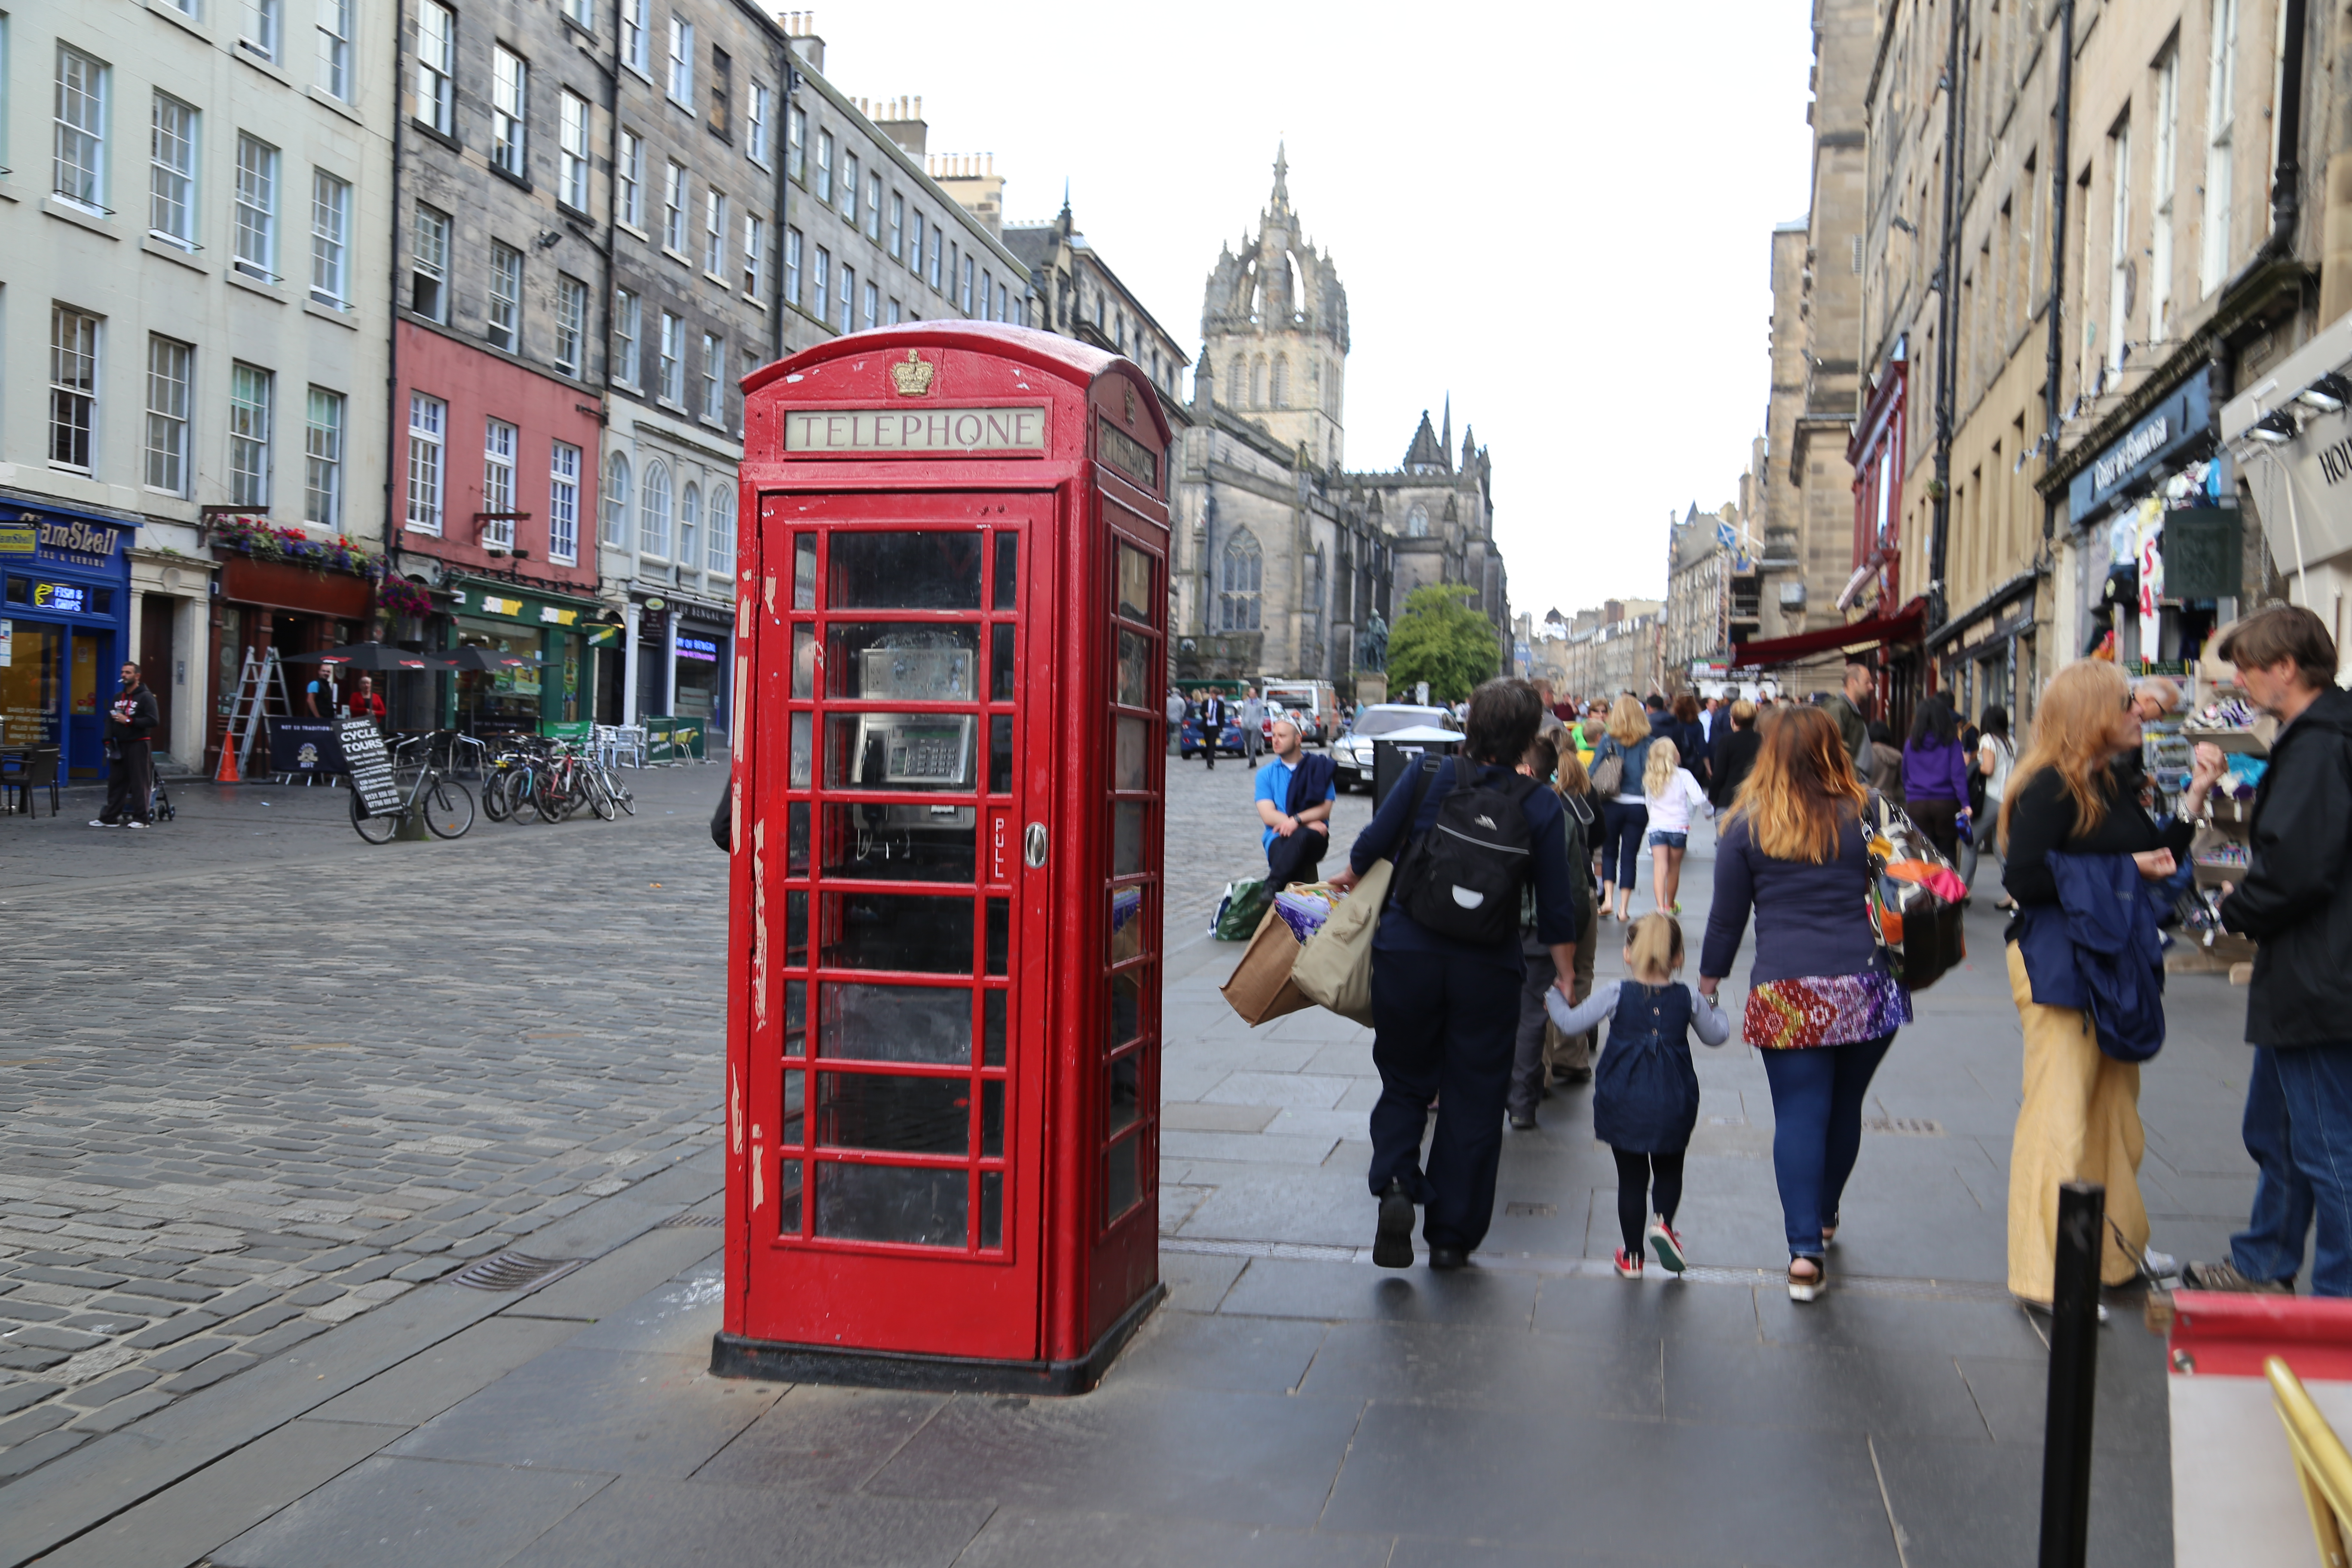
1281 180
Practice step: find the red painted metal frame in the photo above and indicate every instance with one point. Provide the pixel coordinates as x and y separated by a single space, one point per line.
1068 1274
2223 1334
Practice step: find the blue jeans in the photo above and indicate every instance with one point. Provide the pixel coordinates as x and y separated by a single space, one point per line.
1622 826
1817 1095
2298 1128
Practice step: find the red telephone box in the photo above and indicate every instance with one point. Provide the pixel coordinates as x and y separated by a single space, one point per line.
943 1028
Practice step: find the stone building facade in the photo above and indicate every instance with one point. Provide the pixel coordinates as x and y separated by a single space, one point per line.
1817 265
197 224
698 159
1078 296
501 234
1274 328
1439 515
1617 647
1286 563
1701 553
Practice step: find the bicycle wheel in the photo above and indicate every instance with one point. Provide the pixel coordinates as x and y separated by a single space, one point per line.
493 795
522 795
621 795
600 801
374 829
449 807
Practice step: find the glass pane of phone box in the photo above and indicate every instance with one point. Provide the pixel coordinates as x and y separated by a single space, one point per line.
886 1203
902 750
902 662
900 843
930 569
894 1115
897 1024
904 931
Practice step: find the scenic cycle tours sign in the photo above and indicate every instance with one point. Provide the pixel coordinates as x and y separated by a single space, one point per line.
371 767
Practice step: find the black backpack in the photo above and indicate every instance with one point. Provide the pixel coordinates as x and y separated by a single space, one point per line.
1462 879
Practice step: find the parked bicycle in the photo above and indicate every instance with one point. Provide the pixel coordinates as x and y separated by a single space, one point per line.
445 806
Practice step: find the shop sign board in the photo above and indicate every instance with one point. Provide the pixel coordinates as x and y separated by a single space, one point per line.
659 738
76 542
2184 417
306 746
362 744
18 540
701 649
7 643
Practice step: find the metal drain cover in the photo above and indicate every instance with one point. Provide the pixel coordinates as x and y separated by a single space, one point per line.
512 1271
679 1221
1905 1126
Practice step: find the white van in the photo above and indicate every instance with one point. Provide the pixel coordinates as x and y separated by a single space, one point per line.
1314 703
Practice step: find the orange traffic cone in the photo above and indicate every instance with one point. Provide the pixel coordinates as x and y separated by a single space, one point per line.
227 772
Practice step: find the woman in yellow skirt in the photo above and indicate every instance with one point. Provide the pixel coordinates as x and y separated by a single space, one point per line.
2076 789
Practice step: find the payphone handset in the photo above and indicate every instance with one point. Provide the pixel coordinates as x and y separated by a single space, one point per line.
915 750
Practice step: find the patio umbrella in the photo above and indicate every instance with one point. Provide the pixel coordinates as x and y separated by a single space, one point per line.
372 656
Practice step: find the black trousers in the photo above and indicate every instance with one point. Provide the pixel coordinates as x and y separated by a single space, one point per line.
1444 1030
128 781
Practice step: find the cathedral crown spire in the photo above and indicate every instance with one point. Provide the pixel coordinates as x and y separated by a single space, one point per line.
1281 180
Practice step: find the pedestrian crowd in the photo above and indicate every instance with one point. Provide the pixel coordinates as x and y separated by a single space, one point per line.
1509 856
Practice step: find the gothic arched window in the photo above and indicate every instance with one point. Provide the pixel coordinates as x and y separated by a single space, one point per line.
653 512
1258 382
1243 569
1281 381
1416 522
1234 386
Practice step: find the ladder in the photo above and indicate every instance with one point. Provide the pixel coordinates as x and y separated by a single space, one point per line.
260 695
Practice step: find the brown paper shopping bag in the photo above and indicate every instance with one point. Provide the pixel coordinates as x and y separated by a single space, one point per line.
1261 988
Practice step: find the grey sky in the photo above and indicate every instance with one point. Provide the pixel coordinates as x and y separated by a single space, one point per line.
1560 214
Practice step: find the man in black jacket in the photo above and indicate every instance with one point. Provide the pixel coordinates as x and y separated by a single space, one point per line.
2296 901
131 769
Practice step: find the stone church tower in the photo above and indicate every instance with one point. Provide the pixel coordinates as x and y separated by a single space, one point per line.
1275 331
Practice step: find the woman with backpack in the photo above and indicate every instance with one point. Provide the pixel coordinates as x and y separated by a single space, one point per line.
1465 833
1618 760
2076 792
1823 1004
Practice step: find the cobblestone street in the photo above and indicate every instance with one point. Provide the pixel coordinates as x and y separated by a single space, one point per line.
282 1076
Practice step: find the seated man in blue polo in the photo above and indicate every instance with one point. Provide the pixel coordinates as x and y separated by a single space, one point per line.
1295 792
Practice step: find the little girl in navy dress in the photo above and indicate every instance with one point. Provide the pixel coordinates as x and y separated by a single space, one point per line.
1645 1091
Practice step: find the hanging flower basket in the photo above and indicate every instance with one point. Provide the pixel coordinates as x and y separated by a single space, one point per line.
261 541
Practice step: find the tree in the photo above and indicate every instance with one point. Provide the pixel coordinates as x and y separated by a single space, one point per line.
1441 639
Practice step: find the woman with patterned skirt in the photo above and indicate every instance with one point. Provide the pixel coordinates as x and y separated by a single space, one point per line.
1821 1007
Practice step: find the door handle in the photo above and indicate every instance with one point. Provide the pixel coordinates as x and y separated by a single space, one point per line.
1033 845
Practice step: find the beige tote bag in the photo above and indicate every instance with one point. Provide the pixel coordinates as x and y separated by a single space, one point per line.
1334 969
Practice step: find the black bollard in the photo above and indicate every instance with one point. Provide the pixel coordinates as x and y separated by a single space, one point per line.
2074 1376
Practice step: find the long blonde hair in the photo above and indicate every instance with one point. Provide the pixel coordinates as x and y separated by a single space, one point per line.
1802 791
1659 771
1628 725
2078 727
1653 948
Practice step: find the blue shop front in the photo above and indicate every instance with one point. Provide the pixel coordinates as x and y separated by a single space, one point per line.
65 597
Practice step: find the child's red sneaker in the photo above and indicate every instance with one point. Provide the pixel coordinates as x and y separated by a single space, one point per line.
1667 1244
1629 1265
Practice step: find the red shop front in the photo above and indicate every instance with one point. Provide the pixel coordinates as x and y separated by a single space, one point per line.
943 1033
